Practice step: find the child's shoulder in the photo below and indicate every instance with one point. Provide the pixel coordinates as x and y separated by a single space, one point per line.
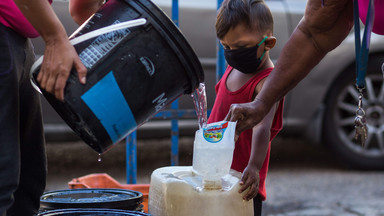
264 73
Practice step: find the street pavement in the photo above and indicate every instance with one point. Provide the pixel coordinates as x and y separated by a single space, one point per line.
303 179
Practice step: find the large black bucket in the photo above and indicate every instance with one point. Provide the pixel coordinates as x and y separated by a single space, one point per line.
91 212
132 73
92 198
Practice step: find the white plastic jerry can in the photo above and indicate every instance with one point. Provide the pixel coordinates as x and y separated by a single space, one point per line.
178 191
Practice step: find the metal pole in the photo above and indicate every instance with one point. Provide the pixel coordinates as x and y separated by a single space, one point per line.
131 158
175 104
220 60
131 140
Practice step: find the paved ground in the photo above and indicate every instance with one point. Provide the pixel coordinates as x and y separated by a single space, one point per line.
303 180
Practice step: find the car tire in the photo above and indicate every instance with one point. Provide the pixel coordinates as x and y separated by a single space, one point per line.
341 105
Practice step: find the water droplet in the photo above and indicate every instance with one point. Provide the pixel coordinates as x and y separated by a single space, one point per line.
99 159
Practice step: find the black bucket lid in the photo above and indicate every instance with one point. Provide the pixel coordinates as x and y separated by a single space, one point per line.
91 198
92 212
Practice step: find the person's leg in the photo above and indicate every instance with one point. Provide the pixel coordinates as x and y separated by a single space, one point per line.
32 147
257 205
9 121
32 163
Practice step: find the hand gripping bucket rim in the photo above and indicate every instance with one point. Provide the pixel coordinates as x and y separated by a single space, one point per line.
87 36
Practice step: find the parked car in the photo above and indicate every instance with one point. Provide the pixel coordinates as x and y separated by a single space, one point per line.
322 107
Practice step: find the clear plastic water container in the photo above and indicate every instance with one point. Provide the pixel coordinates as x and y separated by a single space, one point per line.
213 152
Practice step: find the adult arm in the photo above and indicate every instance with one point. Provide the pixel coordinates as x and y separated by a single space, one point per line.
322 29
59 55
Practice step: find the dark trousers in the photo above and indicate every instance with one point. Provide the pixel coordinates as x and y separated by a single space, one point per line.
257 204
22 146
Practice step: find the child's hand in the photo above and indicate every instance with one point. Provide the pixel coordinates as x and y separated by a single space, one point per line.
250 178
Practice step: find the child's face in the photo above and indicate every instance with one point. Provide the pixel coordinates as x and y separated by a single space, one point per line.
242 37
244 49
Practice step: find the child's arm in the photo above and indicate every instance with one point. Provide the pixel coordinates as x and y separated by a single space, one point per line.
260 142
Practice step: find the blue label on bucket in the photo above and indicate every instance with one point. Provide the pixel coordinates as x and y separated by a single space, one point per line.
107 102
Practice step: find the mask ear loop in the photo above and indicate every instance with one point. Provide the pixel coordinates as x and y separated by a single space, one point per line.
261 42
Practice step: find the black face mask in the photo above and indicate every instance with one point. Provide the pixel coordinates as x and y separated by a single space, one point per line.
244 59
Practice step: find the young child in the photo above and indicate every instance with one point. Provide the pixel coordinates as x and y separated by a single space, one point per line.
245 29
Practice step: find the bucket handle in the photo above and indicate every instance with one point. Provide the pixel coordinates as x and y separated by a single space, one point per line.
89 35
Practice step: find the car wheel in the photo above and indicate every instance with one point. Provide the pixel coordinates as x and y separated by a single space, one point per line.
341 105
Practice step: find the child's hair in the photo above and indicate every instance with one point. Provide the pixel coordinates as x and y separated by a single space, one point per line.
255 14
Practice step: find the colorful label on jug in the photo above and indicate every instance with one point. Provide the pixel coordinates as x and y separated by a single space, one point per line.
215 133
101 46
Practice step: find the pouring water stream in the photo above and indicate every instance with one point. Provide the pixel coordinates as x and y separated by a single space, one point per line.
200 101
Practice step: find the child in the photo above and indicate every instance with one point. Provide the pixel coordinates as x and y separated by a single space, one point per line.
245 29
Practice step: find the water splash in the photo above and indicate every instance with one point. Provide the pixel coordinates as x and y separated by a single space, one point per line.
200 101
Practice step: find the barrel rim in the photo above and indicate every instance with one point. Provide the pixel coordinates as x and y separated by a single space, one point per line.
76 211
131 202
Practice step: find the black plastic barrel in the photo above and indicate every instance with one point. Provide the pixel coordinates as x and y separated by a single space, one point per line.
132 73
92 198
91 212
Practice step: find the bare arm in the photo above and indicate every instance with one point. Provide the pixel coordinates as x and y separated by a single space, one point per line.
59 55
81 10
321 30
261 134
